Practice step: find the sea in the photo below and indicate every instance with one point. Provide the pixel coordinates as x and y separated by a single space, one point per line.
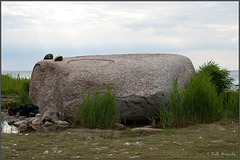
27 74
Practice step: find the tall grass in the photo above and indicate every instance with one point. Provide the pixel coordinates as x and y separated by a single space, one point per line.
231 104
98 111
16 86
206 98
201 102
197 103
11 85
23 97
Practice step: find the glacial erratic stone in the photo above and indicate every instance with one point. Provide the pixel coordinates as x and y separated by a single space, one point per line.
140 82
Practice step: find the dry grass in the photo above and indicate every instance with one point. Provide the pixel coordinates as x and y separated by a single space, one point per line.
216 140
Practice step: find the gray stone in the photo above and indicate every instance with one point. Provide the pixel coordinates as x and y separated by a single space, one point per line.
146 129
21 118
22 127
47 124
140 81
37 121
38 115
50 116
18 123
120 127
62 123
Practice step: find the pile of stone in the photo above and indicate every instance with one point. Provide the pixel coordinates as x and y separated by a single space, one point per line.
48 119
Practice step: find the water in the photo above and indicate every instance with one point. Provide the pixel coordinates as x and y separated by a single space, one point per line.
235 75
22 74
27 74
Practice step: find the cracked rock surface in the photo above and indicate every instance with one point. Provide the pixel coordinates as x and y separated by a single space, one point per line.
140 81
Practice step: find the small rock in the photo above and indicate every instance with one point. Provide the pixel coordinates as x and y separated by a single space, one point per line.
37 121
62 123
20 122
27 119
38 115
120 127
50 116
11 122
45 152
21 118
146 129
47 124
23 127
126 144
139 143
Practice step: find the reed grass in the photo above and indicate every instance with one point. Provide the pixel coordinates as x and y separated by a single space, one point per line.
98 111
16 86
206 98
201 103
23 97
11 85
197 103
231 104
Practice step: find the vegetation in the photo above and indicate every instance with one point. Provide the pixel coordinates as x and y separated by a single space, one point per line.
98 111
10 85
206 141
219 77
14 91
23 97
231 105
205 99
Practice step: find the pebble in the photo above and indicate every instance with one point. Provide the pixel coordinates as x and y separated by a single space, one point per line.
127 144
47 124
23 127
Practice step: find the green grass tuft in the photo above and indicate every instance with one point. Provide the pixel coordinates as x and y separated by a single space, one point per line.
10 85
18 87
206 98
98 111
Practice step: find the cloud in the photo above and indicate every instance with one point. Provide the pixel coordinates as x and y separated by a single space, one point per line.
118 27
226 58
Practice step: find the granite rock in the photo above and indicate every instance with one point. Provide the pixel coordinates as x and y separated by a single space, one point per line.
140 82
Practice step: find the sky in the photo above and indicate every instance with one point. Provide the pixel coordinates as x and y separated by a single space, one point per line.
201 31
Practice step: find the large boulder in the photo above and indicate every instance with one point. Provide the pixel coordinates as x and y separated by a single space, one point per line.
140 81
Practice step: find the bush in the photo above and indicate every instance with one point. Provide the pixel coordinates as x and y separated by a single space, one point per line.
98 111
219 77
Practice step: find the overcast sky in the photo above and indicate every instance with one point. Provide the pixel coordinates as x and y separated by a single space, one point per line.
202 31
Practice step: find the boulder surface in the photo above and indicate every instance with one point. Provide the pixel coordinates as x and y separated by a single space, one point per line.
140 82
